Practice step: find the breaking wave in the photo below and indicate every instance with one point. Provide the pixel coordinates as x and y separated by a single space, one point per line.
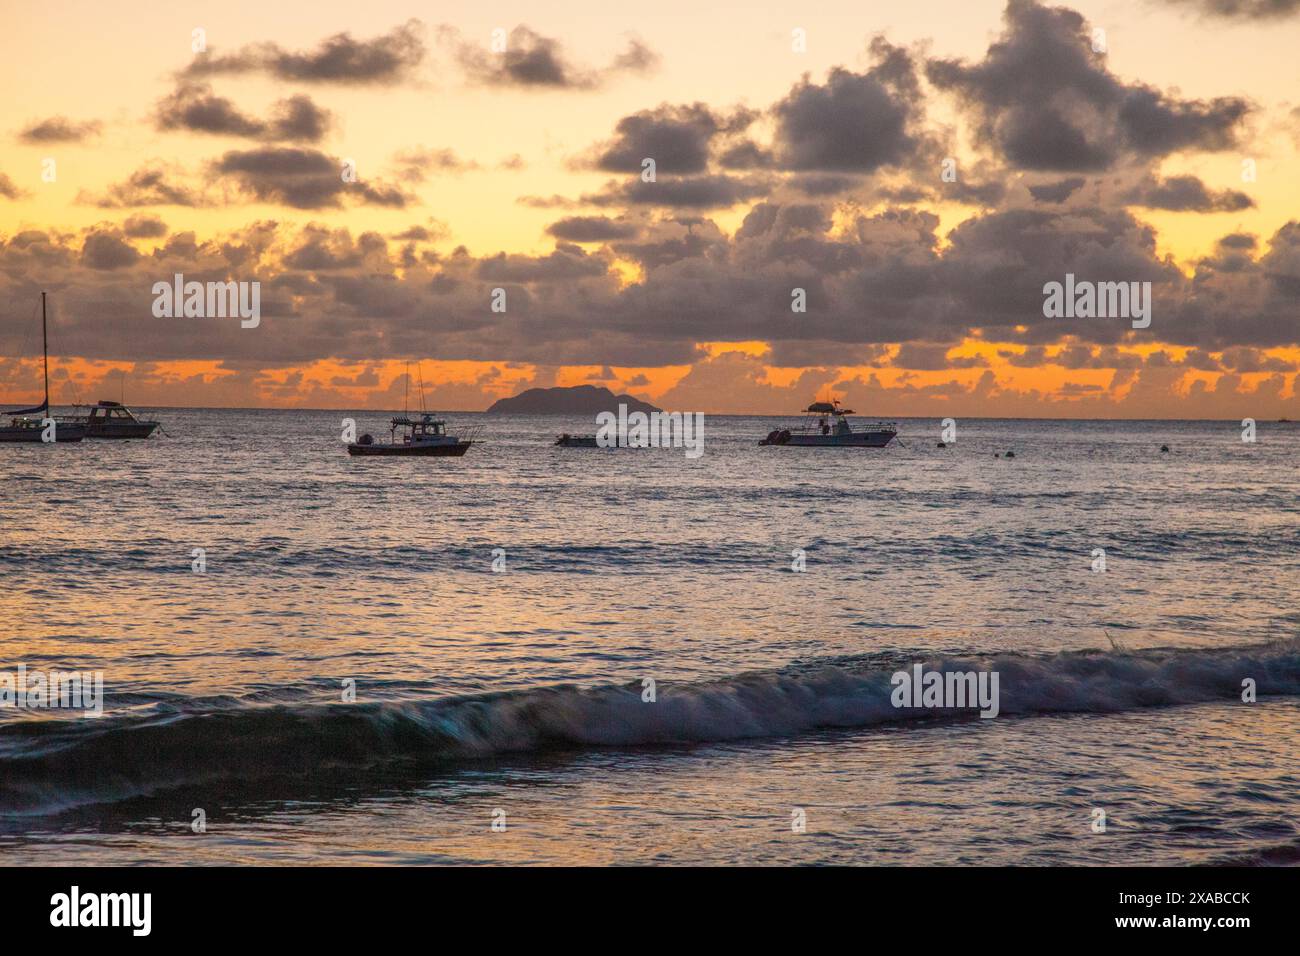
53 764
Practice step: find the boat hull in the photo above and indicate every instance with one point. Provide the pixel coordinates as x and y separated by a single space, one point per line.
589 441
63 434
447 450
121 430
855 440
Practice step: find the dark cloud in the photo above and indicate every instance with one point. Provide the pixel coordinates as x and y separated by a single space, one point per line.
9 189
871 281
144 226
746 155
690 192
1238 240
1043 99
384 60
1057 192
678 138
532 61
106 249
923 357
418 233
824 184
151 185
60 129
854 122
1187 194
566 262
1155 124
591 229
1249 360
298 119
302 179
194 107
1241 9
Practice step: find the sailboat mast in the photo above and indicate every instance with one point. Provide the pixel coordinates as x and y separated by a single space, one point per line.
45 350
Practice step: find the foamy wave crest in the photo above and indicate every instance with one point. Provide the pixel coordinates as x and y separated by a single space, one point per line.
50 763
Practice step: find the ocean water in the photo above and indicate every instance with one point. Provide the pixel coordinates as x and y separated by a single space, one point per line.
517 697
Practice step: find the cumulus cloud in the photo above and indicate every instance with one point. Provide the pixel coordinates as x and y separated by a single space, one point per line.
678 138
1187 194
154 184
830 184
382 61
302 179
1043 100
591 229
106 249
144 226
194 107
60 129
533 61
1241 9
854 121
9 189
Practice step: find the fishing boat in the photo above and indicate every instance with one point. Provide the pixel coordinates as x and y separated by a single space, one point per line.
35 424
423 436
110 420
826 425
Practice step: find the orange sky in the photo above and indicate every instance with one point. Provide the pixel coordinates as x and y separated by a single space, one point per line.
504 161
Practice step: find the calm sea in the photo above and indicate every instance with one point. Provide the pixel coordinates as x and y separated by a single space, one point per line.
506 715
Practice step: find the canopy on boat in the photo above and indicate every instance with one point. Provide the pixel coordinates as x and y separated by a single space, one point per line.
828 408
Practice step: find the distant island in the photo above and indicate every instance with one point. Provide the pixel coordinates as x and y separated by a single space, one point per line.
573 400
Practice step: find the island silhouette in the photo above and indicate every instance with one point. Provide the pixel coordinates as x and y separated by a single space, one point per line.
568 400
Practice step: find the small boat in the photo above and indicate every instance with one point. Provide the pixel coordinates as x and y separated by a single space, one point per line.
111 420
827 426
589 441
425 436
29 424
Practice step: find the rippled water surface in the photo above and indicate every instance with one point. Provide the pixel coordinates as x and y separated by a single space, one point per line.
521 691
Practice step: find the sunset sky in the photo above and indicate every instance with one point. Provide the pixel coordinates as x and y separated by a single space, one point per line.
1165 148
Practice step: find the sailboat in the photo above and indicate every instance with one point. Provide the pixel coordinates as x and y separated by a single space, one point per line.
22 427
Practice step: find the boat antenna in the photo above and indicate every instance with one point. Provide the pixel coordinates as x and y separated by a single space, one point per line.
419 367
406 396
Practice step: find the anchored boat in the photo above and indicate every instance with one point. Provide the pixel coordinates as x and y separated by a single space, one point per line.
425 436
111 420
826 425
590 441
23 427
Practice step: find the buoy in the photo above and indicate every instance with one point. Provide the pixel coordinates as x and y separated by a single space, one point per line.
1164 447
996 455
1011 454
